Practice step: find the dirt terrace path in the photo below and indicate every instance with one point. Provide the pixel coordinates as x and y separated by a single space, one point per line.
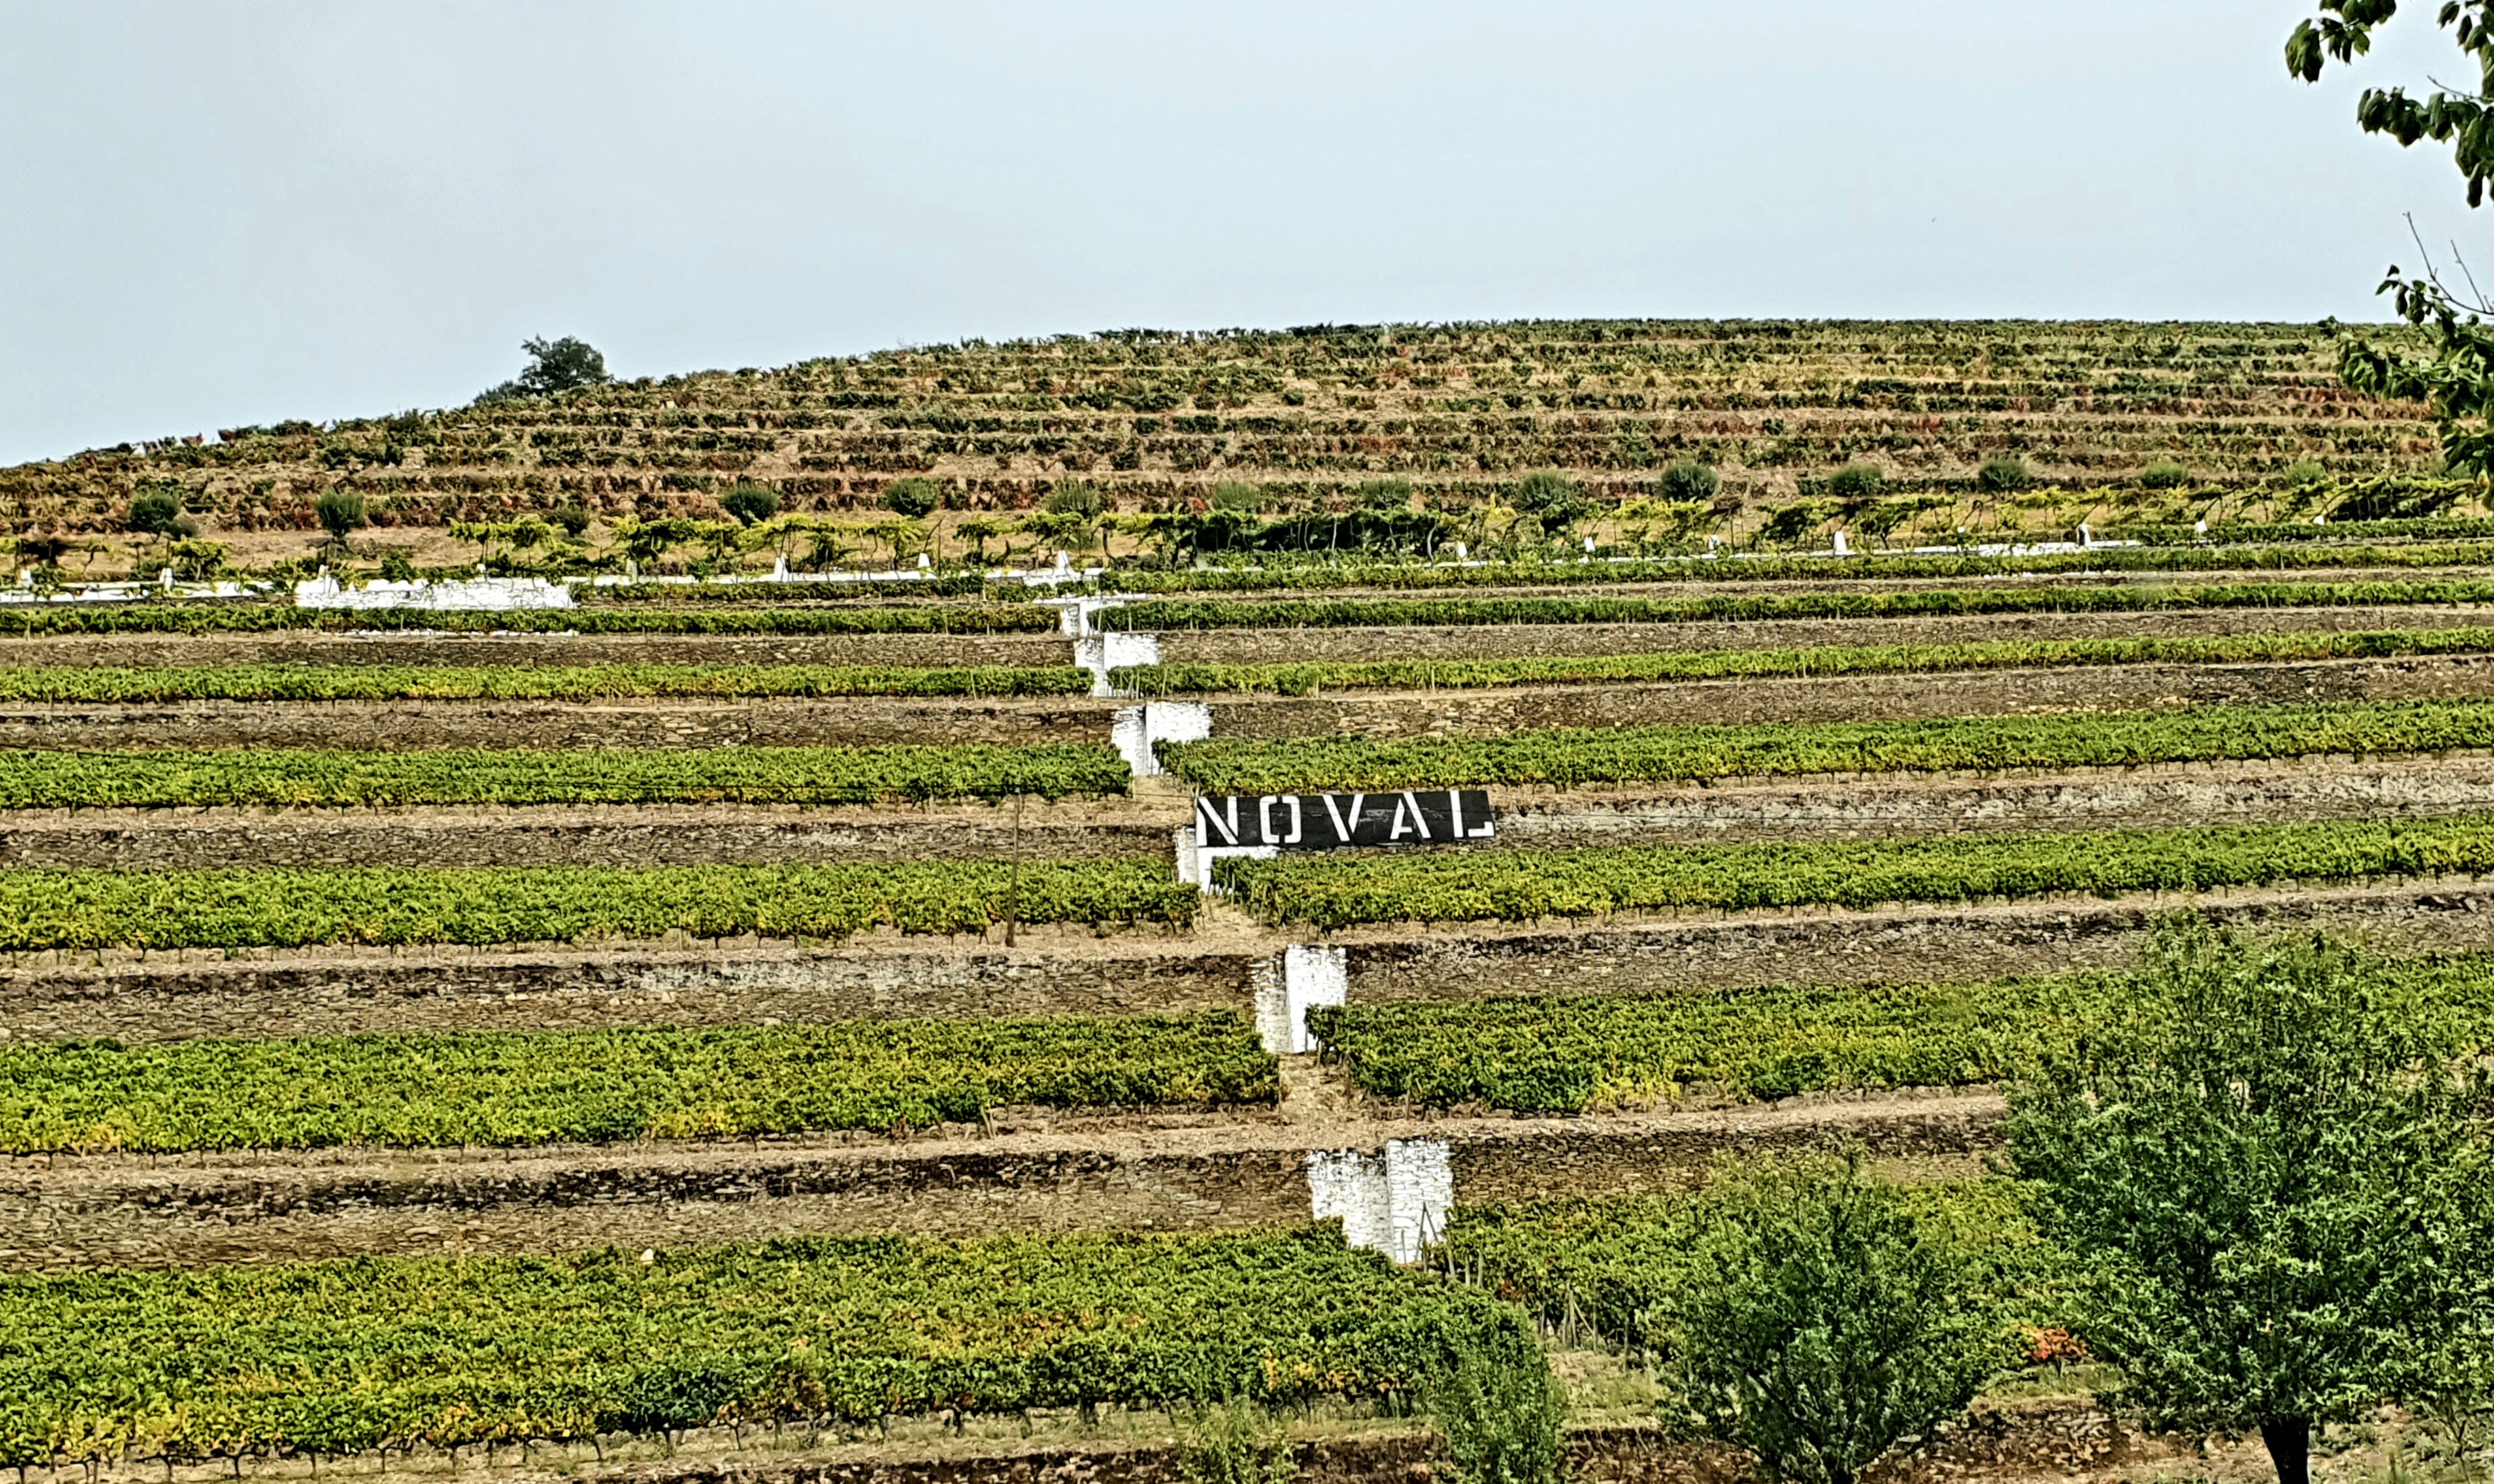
1035 1173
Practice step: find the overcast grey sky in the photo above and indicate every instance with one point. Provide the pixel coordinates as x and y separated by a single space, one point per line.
226 213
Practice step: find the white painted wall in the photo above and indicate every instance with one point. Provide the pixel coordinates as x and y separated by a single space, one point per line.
1101 653
472 595
1133 729
1286 984
1395 1202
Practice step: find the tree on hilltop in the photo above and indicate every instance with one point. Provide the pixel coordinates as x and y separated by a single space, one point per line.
554 366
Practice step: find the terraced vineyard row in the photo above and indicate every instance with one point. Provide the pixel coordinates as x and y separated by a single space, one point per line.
1698 754
1566 1053
342 1358
1523 885
598 1086
336 778
382 905
1308 679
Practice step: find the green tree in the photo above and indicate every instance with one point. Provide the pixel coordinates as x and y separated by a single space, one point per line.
154 513
2002 474
751 503
2280 1184
555 366
2458 376
1550 498
1824 1322
912 499
341 513
1690 480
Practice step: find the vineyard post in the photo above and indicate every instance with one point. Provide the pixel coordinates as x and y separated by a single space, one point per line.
1013 883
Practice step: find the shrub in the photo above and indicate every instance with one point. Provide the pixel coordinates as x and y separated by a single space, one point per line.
1856 483
154 513
2304 473
912 499
341 513
1824 1322
572 517
1076 500
1237 498
1498 1409
2002 475
1550 498
2164 475
1236 1442
1689 480
752 503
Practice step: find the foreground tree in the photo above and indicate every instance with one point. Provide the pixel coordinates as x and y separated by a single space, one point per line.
2280 1181
1824 1323
2458 378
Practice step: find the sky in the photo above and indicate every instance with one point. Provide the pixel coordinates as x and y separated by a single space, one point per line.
219 214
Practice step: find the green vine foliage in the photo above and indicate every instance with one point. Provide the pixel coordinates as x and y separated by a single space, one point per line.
1524 885
494 1088
280 907
2458 378
329 1358
1685 754
321 779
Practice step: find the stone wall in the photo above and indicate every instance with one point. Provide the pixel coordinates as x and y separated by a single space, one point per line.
566 990
1850 697
1887 805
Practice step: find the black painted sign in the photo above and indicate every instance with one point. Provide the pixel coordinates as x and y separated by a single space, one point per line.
1442 816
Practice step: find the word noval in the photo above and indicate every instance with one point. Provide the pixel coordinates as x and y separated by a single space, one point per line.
1332 821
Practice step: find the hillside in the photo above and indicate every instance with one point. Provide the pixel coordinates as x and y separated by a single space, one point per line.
1156 422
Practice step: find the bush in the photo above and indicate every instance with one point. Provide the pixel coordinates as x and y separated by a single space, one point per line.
1550 498
1498 1410
912 498
154 513
1237 498
2303 473
1824 1322
752 503
341 513
1236 1442
1856 483
2002 475
2164 475
573 517
1689 480
1079 500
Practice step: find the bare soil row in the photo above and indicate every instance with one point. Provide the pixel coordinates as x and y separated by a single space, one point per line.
1061 972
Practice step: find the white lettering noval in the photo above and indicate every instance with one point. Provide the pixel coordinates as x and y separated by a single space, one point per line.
1342 833
1408 806
1206 821
1264 819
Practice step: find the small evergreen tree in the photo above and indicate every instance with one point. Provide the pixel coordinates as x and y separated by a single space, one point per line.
912 499
341 513
1689 480
751 503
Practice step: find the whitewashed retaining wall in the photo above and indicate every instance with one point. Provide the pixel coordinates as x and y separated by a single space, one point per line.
1395 1202
1133 729
1287 984
472 595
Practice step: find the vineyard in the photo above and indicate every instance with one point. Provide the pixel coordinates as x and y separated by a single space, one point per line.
792 999
595 1086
